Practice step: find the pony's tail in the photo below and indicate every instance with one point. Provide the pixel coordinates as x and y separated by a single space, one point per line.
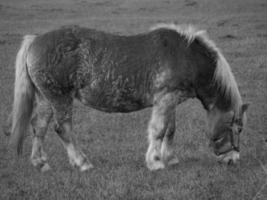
23 97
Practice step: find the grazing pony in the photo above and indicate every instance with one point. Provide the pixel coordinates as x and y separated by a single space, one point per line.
114 73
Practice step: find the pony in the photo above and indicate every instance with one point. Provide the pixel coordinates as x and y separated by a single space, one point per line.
113 73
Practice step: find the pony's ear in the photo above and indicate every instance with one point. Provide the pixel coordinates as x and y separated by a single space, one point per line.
244 107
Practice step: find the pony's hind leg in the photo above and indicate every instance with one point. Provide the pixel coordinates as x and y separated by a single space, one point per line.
162 113
63 117
40 122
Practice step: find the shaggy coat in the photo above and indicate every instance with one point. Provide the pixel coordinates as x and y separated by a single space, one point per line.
114 73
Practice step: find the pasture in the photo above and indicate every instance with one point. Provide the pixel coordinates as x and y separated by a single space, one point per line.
116 143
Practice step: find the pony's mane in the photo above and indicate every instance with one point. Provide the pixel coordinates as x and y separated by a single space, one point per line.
186 30
223 75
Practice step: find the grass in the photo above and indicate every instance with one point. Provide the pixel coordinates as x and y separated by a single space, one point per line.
116 143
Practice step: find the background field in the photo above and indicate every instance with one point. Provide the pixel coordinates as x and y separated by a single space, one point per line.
116 143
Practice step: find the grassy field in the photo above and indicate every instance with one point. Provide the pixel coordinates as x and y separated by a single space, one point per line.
116 143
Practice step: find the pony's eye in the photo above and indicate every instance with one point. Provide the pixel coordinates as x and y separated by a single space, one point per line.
239 129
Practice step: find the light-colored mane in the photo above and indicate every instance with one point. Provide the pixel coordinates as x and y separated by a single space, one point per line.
223 73
190 32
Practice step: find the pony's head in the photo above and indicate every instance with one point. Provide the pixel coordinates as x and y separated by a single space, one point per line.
227 113
226 134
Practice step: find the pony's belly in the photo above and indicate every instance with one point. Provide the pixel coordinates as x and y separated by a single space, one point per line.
107 102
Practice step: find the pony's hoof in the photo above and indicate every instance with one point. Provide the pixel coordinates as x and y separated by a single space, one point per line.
82 164
46 167
86 166
157 165
40 163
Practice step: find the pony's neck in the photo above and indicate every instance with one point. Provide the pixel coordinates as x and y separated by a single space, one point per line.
215 82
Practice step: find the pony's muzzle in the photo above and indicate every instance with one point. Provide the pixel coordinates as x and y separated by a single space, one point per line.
225 151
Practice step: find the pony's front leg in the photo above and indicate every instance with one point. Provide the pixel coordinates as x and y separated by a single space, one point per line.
161 122
64 130
167 154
